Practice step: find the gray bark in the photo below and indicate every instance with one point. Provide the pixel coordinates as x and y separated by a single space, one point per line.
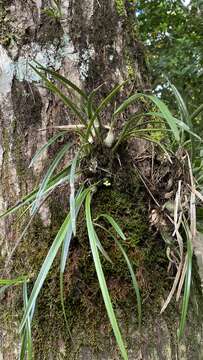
92 42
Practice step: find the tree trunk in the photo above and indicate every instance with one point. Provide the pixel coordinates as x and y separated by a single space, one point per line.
91 42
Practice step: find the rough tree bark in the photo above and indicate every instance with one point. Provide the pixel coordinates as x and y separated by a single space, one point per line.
91 42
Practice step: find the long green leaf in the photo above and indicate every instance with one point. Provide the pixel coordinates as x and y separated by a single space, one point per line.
114 224
186 128
65 247
60 237
130 268
27 329
64 98
134 119
90 107
102 105
160 104
134 281
64 256
182 106
48 175
137 131
45 146
101 278
187 285
56 180
45 268
65 252
62 79
72 193
10 282
179 123
26 335
196 112
101 249
23 345
125 104
167 115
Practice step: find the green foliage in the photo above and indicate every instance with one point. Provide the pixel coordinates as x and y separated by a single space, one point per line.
120 7
48 175
101 278
54 10
130 268
187 286
26 334
94 136
188 137
172 33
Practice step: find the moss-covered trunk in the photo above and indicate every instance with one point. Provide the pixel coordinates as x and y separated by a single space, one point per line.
91 42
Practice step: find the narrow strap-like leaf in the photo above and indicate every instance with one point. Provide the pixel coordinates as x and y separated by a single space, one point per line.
65 252
28 325
130 268
160 104
49 260
54 181
90 108
45 146
134 281
45 268
182 106
11 282
187 286
64 98
196 112
62 79
66 244
48 175
180 124
23 345
101 278
167 115
102 105
114 224
101 249
72 193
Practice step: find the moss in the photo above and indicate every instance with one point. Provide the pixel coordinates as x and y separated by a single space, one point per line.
120 7
6 34
83 302
131 70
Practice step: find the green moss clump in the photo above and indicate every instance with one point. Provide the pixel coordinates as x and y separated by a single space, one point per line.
83 301
131 70
120 7
5 35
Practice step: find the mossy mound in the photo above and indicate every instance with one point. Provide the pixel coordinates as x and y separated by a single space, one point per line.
83 300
